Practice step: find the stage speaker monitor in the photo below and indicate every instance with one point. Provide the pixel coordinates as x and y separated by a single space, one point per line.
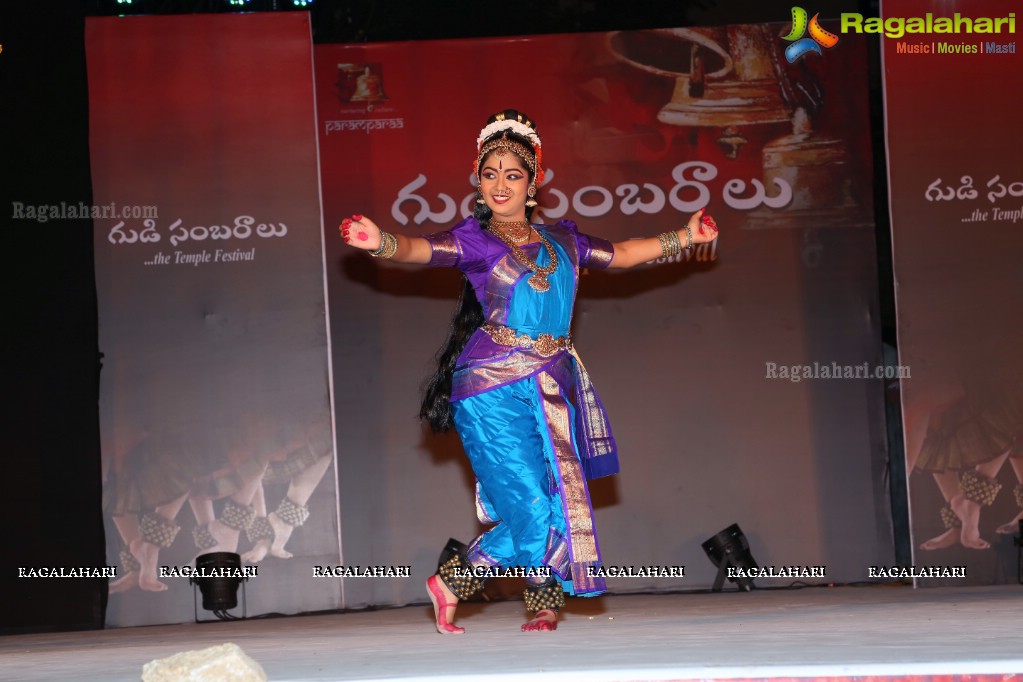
218 575
730 549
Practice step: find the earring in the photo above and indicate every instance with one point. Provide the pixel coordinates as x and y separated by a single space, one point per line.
531 192
479 198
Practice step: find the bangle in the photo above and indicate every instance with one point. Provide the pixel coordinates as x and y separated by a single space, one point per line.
388 246
670 244
689 238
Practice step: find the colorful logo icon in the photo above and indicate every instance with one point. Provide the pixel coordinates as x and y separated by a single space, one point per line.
803 46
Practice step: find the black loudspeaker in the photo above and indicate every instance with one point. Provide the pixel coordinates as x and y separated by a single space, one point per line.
730 549
218 575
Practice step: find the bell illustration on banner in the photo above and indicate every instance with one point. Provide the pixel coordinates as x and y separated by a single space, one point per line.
813 164
724 77
731 78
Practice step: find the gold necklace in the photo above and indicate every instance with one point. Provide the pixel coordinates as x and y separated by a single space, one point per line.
518 230
538 280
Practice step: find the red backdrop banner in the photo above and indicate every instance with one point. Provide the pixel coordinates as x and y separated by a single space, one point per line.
628 148
956 187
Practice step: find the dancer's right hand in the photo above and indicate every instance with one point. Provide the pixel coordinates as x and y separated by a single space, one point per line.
360 232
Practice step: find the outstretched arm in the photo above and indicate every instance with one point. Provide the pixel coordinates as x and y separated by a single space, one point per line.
362 233
632 252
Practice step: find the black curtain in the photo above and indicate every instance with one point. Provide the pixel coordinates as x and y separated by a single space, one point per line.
50 461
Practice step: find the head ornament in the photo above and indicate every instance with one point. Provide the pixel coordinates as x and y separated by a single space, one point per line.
522 127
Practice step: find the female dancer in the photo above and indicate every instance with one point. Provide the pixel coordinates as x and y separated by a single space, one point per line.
509 379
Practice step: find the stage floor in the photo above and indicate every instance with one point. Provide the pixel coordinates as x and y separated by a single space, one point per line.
876 631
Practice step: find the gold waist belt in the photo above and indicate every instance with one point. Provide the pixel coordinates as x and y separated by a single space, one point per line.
544 344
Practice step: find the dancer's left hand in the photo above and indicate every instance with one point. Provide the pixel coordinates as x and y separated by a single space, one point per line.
703 227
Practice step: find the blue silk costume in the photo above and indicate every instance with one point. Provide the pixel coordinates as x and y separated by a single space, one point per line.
532 425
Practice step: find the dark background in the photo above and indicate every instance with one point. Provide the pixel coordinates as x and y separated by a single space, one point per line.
51 467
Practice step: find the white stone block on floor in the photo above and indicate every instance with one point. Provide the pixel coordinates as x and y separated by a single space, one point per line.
221 663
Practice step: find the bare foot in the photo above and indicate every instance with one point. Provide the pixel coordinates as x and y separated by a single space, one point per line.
969 513
444 603
147 554
124 583
1010 527
282 533
946 539
545 620
258 552
227 539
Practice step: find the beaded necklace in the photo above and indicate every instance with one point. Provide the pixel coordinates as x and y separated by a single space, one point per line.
538 280
518 230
